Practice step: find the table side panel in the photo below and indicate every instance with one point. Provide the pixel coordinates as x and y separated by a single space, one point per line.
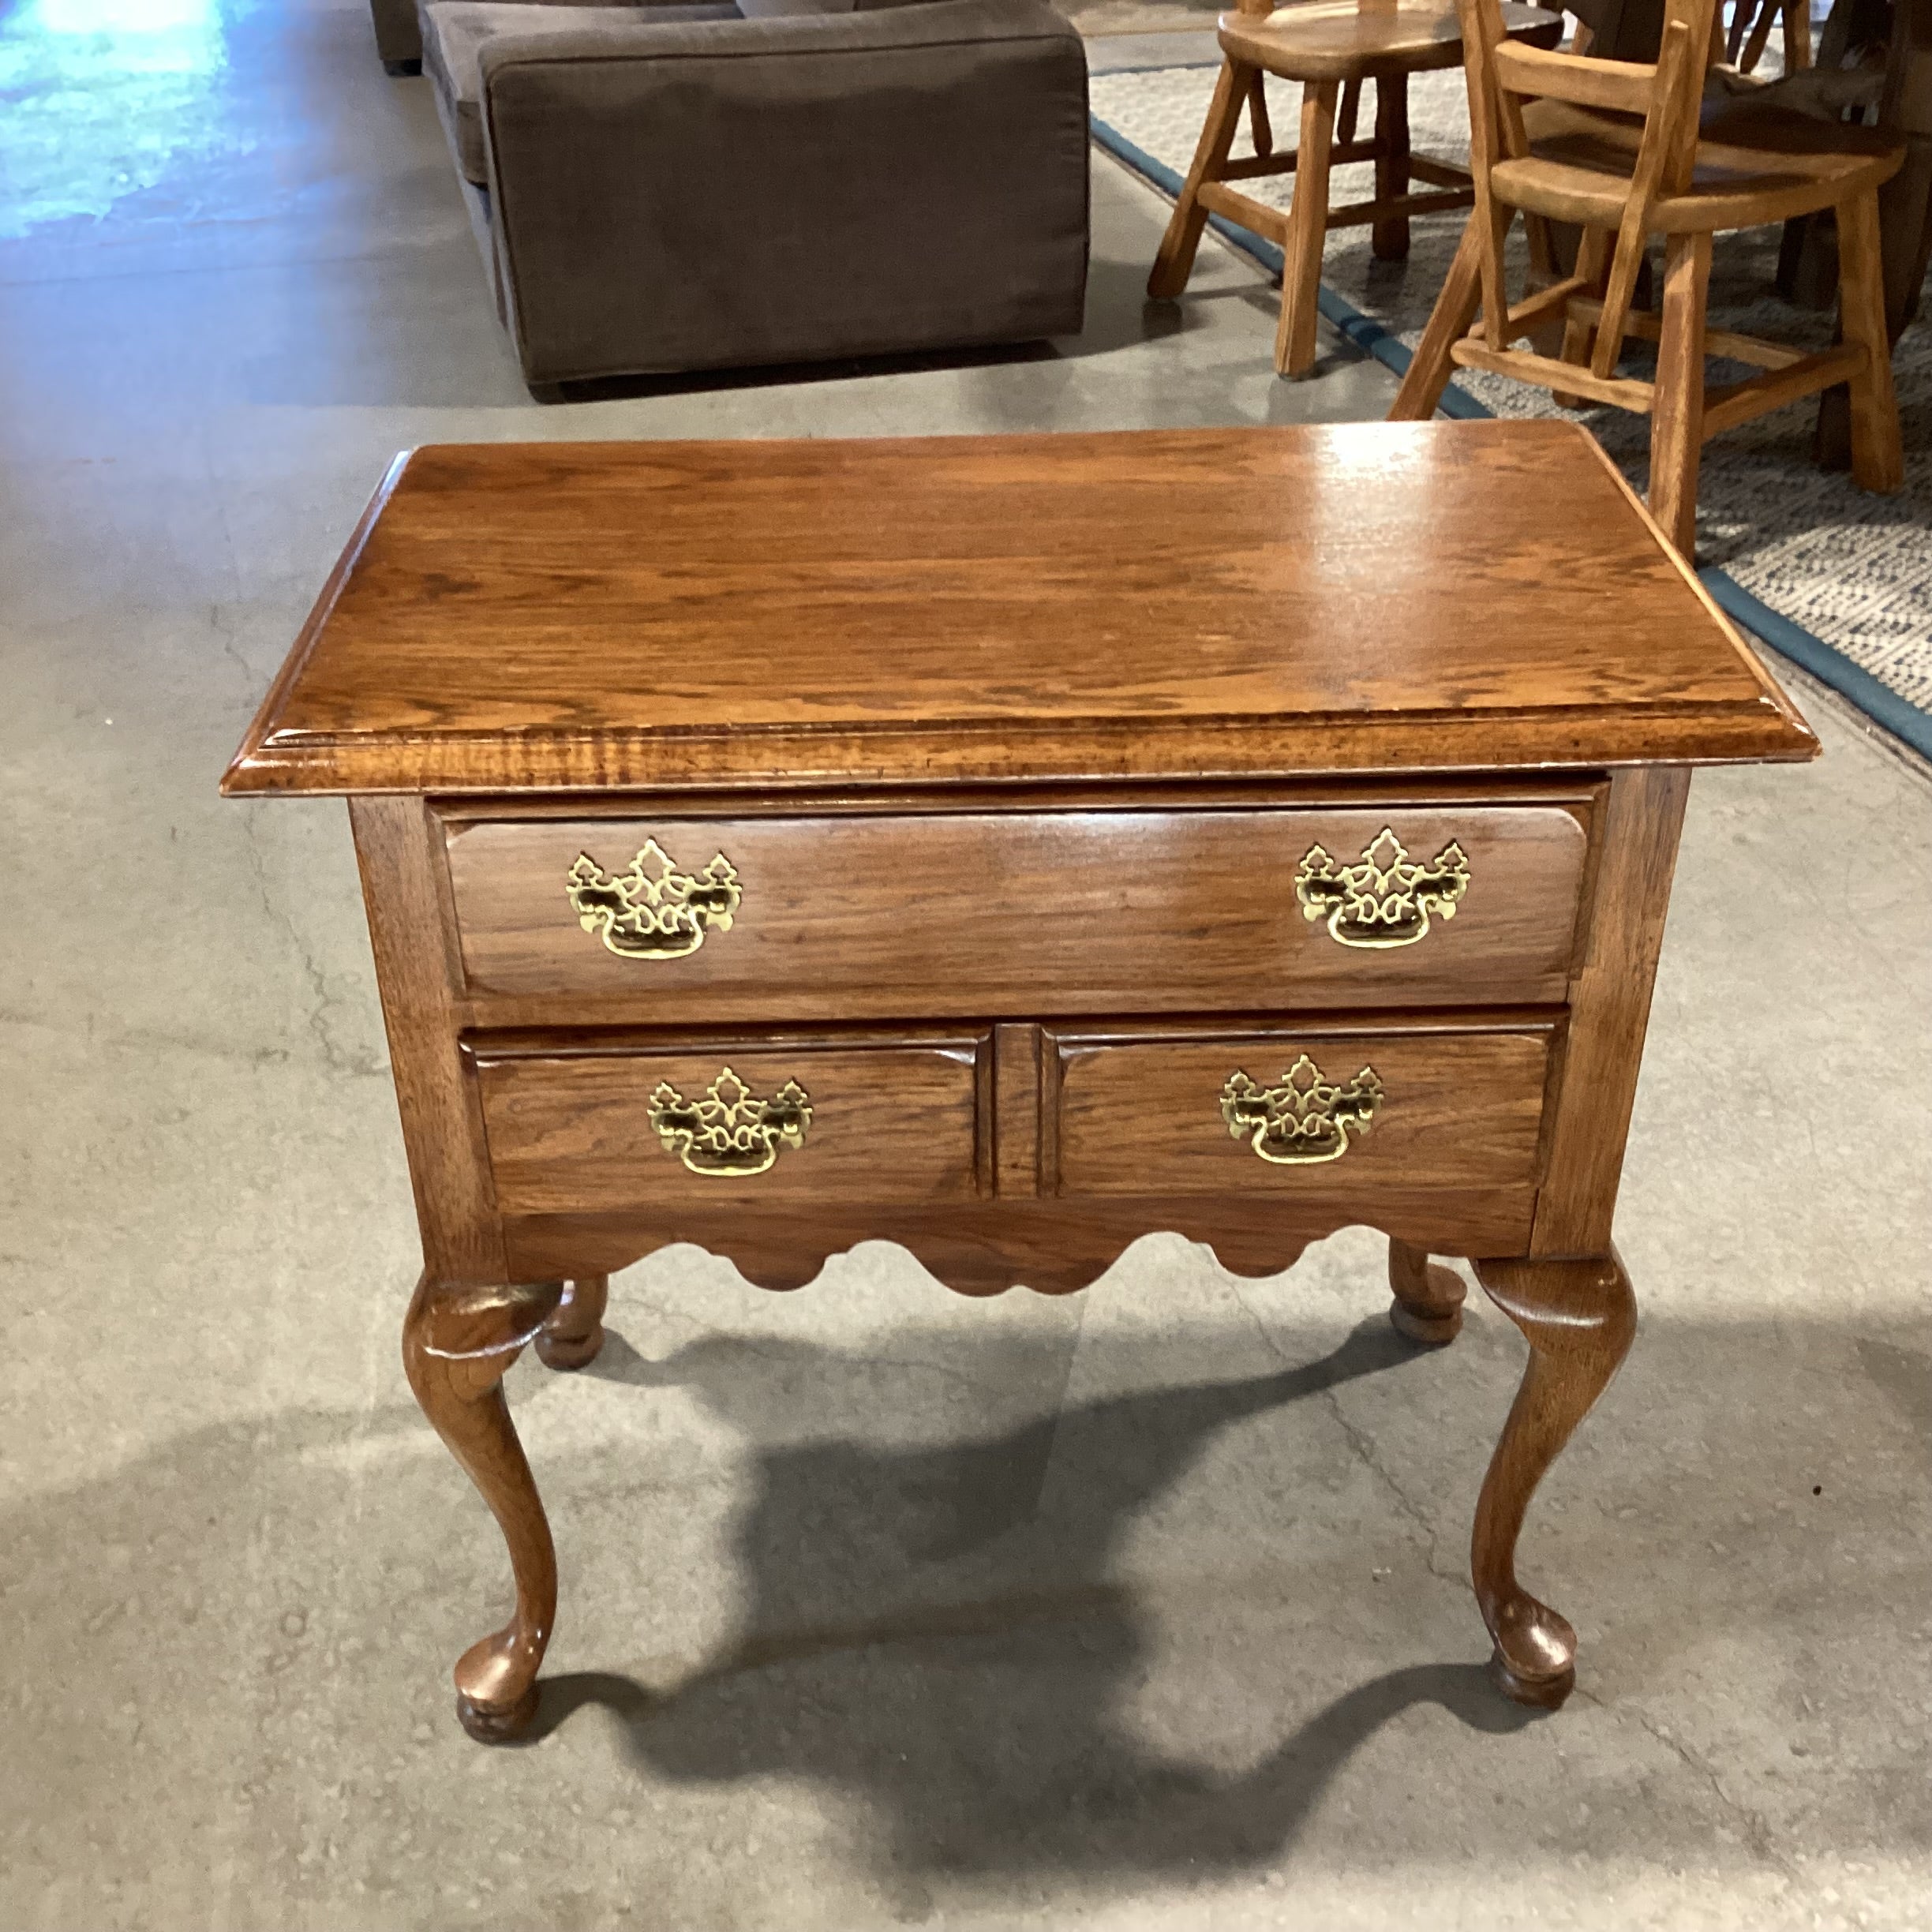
412 934
1595 1080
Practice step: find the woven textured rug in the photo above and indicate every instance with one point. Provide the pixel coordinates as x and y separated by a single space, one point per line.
1835 578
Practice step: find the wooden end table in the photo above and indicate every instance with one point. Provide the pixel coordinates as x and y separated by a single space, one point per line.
1008 846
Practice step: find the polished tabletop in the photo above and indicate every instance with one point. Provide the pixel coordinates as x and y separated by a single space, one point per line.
1360 598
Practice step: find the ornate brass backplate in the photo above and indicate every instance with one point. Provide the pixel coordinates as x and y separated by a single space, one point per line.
653 910
1306 1119
731 1131
1384 899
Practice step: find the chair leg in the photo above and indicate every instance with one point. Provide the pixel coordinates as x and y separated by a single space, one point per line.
1740 19
1259 125
1797 35
1308 231
1430 368
1175 262
1878 455
1350 110
1389 240
1592 263
1677 413
1629 256
1541 235
1543 240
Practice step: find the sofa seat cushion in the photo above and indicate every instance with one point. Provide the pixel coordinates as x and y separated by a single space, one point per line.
455 32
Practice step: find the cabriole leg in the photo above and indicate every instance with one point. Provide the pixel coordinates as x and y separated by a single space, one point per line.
457 1345
1578 1317
1428 1298
575 1332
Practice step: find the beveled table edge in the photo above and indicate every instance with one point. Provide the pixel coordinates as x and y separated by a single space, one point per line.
1003 753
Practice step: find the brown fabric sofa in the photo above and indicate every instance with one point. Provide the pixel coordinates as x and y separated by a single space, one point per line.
673 187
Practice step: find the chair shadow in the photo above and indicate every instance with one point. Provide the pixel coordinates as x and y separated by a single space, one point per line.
940 1632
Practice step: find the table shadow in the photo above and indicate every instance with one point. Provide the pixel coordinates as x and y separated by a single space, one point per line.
940 1632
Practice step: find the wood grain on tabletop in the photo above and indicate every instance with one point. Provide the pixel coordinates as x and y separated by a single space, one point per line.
1365 596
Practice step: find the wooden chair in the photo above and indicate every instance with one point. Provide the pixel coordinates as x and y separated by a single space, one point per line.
1331 47
1744 53
1615 146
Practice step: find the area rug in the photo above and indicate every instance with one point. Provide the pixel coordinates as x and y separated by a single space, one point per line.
1839 581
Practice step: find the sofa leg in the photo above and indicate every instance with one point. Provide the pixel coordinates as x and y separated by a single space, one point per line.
400 70
547 392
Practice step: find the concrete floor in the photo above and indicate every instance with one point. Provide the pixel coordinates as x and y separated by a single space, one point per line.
1144 1609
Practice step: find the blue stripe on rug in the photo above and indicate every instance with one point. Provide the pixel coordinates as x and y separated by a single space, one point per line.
1826 663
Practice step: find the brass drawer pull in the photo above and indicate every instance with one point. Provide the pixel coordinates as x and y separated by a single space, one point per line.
1384 899
731 1131
653 910
1306 1119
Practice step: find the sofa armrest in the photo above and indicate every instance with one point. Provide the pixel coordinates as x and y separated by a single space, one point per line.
708 194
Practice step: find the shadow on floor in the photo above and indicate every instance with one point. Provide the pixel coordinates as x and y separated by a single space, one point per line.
1083 1799
957 1619
975 1710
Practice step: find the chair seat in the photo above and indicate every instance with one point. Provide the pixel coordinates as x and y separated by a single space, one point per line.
1341 40
1754 165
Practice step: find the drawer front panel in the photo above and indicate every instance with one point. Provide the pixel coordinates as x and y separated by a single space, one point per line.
726 1122
1370 1113
859 917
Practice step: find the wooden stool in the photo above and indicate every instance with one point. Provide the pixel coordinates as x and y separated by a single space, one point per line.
1330 46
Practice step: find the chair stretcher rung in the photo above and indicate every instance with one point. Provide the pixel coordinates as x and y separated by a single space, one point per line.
1254 215
1732 403
1551 373
1398 207
1752 349
1259 167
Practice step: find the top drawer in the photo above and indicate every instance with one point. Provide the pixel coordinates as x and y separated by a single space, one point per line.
857 917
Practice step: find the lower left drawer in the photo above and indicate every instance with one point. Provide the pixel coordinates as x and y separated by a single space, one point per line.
600 1124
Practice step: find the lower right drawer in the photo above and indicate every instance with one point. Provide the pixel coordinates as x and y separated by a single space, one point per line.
1362 1110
